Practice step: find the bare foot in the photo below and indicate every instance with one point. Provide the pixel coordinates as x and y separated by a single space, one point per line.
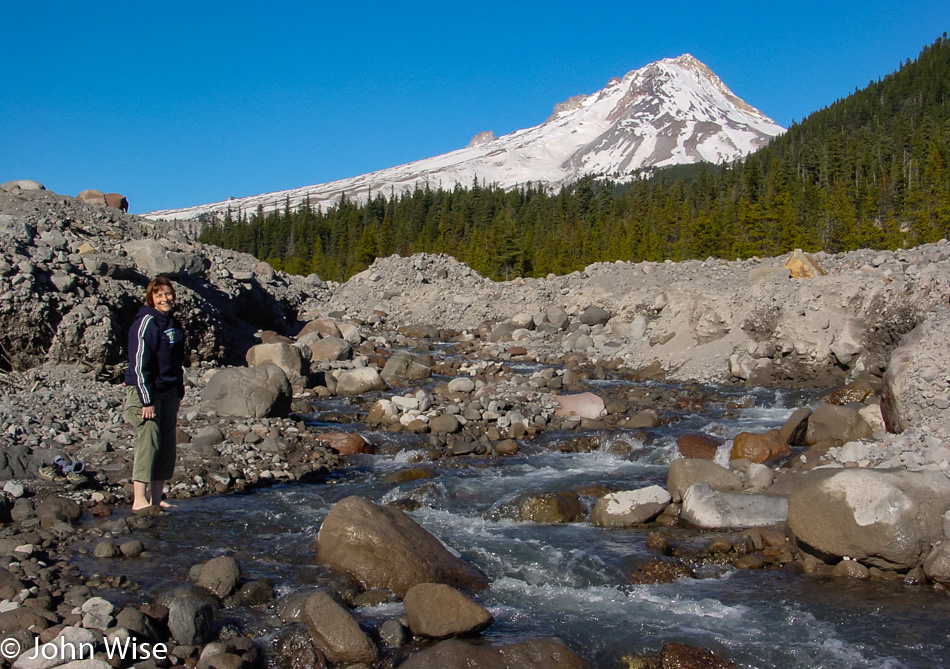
150 510
166 505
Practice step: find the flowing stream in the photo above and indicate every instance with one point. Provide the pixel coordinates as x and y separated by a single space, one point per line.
568 580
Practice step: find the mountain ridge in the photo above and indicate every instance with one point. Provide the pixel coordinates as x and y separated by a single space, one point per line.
672 111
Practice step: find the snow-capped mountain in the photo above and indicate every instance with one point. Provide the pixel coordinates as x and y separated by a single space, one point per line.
673 111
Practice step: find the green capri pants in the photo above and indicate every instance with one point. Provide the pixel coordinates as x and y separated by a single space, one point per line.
155 443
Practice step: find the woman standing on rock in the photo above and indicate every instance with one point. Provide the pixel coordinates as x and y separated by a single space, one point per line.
154 390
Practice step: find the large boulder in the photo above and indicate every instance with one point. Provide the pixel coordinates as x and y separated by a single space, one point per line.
887 519
382 547
439 611
253 392
629 507
712 509
151 258
535 654
336 632
913 394
404 366
286 356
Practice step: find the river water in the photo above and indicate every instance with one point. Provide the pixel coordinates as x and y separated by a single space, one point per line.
568 581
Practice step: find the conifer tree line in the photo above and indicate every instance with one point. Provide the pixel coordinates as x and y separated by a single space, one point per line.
869 171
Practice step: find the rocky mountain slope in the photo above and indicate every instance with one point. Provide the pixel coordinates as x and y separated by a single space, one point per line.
669 112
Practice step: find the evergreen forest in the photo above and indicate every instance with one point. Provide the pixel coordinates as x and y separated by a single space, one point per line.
868 171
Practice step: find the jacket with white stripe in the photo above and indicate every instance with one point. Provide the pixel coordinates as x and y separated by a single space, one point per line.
156 352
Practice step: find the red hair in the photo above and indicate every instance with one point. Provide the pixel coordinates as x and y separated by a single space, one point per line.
153 286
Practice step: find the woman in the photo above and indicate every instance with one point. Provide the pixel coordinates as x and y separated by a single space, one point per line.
154 389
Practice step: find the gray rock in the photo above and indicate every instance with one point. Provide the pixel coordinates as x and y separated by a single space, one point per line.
712 509
359 381
189 621
253 392
21 184
152 258
886 519
393 633
220 575
286 356
106 549
461 384
630 507
557 317
937 564
97 613
404 366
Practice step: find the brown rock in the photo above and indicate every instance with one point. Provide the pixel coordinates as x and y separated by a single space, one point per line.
759 447
838 424
660 571
439 611
90 196
562 506
382 547
345 443
681 656
506 447
10 585
326 327
699 446
22 618
851 569
116 200
859 391
336 633
58 509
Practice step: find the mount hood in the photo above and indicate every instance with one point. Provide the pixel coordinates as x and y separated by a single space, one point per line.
670 112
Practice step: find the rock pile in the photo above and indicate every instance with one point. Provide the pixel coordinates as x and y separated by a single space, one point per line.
263 344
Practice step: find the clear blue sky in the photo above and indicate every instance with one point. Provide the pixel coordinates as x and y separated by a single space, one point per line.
182 103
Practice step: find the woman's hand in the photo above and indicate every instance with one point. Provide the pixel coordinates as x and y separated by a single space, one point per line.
148 412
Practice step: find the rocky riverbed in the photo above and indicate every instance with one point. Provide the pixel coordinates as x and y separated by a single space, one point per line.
857 487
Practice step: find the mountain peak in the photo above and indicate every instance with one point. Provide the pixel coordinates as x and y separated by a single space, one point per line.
672 111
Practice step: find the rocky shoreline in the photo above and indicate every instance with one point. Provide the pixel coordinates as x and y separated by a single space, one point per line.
871 324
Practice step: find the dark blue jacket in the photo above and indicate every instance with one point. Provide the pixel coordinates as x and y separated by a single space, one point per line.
156 352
